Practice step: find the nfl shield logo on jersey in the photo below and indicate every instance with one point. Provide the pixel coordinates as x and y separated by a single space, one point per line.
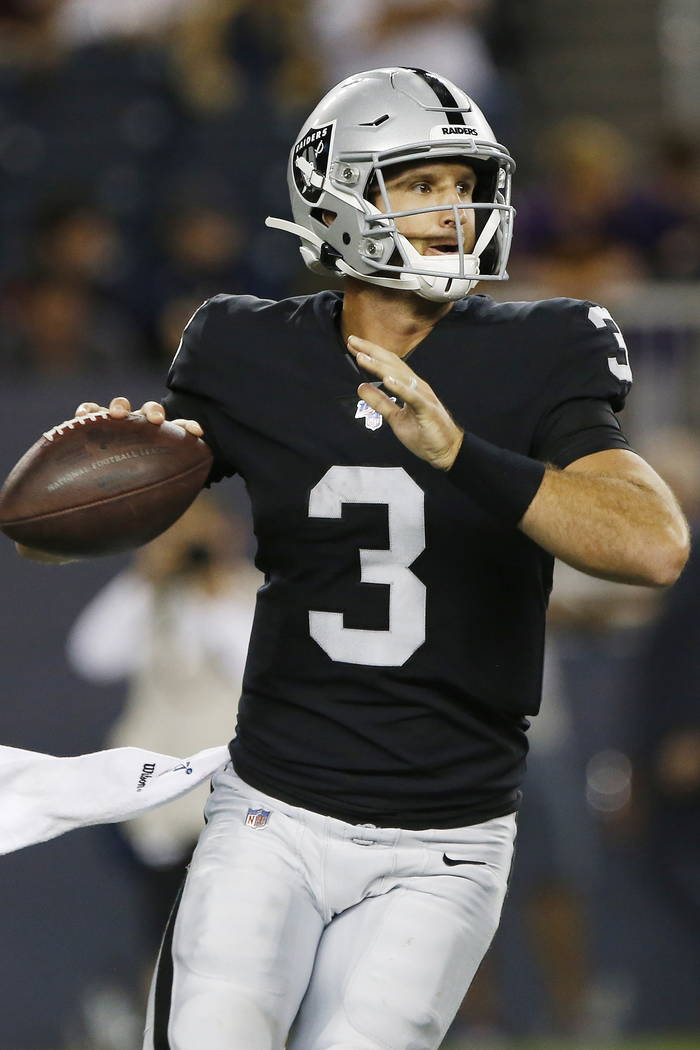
257 818
373 419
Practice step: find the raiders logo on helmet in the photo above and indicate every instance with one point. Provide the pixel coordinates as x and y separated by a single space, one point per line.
310 163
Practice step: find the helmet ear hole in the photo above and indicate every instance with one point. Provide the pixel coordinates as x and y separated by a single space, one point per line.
324 215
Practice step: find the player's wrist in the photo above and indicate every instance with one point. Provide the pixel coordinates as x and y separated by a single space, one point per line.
501 481
446 461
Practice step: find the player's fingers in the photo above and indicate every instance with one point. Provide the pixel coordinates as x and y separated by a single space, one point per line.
371 364
190 425
407 390
119 407
383 362
88 408
378 400
384 368
380 353
153 411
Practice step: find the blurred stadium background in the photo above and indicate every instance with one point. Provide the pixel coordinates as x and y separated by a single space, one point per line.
142 144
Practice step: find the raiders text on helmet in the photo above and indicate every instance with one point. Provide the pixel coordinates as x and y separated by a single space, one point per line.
366 124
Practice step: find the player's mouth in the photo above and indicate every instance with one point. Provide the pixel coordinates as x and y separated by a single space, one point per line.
442 248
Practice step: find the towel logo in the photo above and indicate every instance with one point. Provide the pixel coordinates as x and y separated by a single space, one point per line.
147 772
186 766
257 818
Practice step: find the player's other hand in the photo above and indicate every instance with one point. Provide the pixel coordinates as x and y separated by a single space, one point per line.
423 424
120 407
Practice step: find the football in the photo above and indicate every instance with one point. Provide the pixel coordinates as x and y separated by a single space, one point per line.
96 485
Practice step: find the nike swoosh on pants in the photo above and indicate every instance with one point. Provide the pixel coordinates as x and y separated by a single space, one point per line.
450 861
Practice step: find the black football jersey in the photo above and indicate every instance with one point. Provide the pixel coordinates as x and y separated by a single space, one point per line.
397 643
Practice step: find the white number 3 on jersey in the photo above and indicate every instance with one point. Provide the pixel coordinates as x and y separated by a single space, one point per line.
404 499
617 363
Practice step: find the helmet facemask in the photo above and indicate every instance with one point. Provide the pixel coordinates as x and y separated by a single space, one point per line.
454 275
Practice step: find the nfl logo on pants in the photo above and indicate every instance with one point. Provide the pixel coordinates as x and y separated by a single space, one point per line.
257 818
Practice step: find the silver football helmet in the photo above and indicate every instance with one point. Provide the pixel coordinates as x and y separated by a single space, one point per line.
366 124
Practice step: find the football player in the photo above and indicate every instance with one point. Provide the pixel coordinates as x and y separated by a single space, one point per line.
416 457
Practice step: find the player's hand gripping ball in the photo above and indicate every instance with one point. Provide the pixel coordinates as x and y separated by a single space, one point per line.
97 485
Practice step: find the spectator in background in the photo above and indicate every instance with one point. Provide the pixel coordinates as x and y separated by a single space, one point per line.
678 185
175 626
244 74
81 22
27 29
548 930
200 252
546 918
203 247
433 34
225 51
101 119
67 310
666 755
557 860
131 104
80 242
77 240
173 317
53 328
596 219
558 879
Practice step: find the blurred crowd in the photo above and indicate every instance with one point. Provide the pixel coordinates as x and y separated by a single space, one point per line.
142 145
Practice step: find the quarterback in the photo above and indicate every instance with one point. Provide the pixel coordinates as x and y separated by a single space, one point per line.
416 457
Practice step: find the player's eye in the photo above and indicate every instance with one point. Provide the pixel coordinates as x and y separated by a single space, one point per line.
421 187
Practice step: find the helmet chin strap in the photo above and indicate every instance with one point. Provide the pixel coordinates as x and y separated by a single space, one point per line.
449 288
452 286
461 274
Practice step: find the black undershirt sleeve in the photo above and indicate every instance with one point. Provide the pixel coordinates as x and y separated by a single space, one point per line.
183 406
576 428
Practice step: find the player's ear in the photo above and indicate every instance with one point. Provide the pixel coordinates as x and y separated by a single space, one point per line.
328 217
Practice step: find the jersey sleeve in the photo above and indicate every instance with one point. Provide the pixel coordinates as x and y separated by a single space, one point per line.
588 381
199 372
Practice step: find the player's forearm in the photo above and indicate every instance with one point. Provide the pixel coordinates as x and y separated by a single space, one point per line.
616 528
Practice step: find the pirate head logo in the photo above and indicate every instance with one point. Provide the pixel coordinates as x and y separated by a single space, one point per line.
310 161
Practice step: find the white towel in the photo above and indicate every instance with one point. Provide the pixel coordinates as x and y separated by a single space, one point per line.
42 796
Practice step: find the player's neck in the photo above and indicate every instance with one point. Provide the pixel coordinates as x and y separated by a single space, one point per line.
393 319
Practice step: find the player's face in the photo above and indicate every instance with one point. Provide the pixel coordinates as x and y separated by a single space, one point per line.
424 186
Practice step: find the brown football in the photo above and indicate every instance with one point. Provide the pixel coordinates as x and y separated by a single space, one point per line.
96 485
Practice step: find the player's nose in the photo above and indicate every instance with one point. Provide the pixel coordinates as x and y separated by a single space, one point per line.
452 214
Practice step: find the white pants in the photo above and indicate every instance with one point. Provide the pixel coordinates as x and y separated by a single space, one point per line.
312 933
